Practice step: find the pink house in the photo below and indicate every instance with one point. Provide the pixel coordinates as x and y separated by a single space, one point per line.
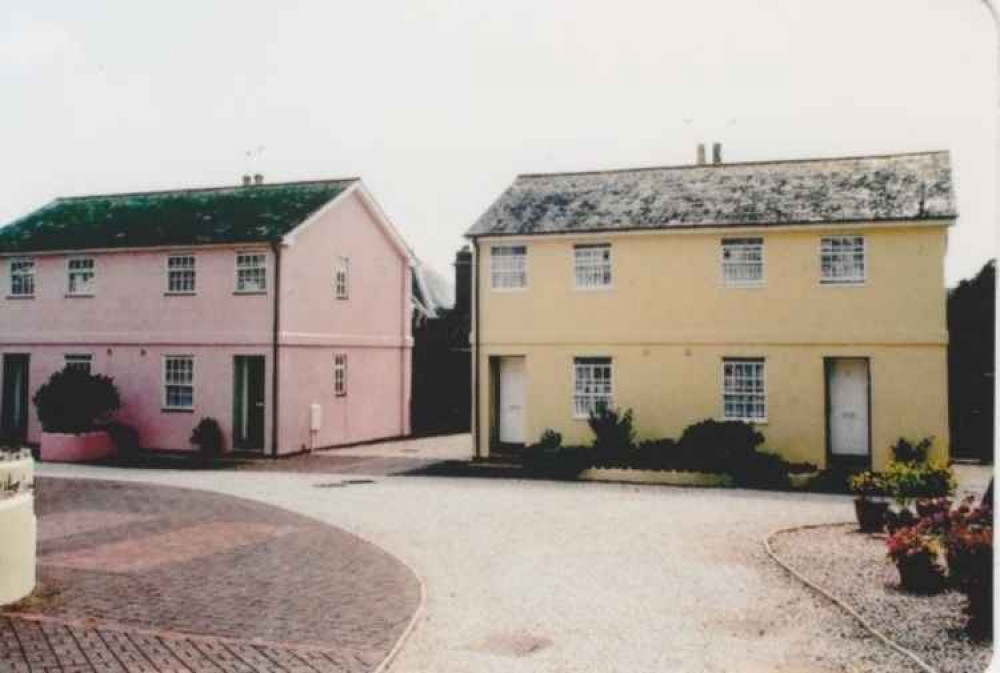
280 310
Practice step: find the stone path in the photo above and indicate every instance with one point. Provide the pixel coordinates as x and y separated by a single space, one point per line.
143 578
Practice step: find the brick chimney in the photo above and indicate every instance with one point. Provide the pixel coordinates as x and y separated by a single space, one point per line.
247 180
716 153
463 281
701 154
258 179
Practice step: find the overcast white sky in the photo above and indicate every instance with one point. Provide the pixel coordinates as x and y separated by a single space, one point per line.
437 104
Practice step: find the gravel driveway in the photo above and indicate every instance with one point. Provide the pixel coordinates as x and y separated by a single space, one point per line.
560 577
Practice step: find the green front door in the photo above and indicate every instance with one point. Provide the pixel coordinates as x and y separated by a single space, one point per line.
248 402
14 397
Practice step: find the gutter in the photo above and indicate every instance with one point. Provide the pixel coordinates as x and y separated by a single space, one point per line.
475 352
276 247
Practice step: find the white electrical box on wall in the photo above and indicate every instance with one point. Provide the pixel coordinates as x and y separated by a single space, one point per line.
315 417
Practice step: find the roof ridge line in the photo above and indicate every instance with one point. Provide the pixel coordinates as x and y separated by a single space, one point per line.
765 162
217 188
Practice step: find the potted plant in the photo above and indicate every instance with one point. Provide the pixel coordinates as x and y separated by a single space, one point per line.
73 407
869 504
911 481
915 553
969 543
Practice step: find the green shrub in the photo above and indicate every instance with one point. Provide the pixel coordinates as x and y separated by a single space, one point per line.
761 470
73 401
125 439
720 446
614 436
207 436
550 439
905 451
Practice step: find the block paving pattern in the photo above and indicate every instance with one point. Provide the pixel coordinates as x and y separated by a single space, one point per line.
172 580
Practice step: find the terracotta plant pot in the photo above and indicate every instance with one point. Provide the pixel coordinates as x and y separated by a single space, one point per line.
920 573
871 514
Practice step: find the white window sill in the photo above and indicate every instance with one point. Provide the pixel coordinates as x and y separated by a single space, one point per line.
509 289
594 288
744 286
180 294
843 283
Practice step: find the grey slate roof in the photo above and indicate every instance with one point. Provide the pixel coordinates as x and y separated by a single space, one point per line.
252 214
812 191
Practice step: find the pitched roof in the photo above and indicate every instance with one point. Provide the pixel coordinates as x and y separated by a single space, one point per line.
250 214
810 191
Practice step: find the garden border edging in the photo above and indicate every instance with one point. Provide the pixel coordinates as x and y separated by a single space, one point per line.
665 477
886 640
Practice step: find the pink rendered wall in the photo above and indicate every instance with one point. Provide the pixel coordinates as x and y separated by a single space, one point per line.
137 374
130 313
130 304
372 327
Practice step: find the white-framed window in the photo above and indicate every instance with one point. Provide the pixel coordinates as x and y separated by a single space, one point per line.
592 385
842 259
181 274
508 267
743 261
22 277
81 361
81 276
341 272
592 265
744 389
178 382
251 272
340 374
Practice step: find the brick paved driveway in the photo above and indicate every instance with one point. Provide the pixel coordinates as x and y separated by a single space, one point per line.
150 578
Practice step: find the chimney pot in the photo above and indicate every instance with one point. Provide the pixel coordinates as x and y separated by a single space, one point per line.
701 154
247 180
258 179
716 153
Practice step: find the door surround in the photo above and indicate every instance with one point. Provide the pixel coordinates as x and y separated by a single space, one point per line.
834 459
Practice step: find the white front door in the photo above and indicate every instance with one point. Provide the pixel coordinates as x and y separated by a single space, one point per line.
511 405
849 407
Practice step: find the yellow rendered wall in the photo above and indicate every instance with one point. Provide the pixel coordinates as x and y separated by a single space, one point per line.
668 321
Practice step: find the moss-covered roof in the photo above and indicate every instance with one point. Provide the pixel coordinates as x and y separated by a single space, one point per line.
251 214
808 191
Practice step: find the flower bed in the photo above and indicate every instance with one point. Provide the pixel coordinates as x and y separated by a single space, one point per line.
853 567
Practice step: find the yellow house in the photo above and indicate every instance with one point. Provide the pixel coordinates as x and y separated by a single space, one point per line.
806 297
